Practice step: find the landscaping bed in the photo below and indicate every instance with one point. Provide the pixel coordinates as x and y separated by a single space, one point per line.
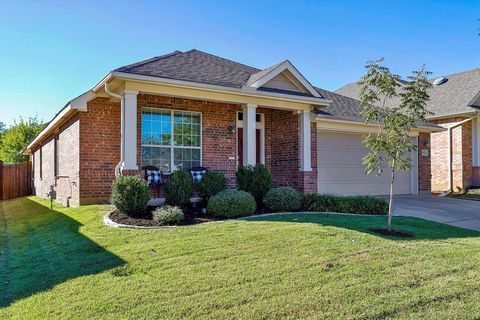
192 215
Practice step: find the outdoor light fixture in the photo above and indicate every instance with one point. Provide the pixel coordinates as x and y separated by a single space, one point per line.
232 129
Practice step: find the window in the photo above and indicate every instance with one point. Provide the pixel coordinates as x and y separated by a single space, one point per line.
171 139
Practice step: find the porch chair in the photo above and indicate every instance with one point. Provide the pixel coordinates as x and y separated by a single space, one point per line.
198 173
154 177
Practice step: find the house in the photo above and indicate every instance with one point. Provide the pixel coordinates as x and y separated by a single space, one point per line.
454 105
192 108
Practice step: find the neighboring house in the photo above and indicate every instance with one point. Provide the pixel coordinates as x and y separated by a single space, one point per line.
454 104
192 108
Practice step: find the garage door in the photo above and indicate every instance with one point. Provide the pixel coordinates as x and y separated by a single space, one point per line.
341 171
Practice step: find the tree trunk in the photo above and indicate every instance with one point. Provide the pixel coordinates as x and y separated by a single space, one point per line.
390 205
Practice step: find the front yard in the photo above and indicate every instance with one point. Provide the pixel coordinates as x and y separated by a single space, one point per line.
66 264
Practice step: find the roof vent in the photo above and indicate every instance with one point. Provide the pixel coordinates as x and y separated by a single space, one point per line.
439 81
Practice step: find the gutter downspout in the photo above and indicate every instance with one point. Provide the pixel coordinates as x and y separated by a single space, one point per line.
450 149
119 166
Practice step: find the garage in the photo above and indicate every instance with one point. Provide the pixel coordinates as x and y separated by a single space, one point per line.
341 171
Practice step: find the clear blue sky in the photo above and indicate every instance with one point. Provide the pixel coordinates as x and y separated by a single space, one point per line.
50 52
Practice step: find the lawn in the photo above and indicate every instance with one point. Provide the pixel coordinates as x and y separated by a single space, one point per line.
66 264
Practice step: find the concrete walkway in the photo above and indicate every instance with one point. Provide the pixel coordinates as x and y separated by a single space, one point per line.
454 212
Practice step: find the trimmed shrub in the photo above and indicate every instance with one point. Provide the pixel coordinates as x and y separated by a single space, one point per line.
282 199
257 180
178 190
232 204
319 202
362 205
344 204
168 215
130 194
211 184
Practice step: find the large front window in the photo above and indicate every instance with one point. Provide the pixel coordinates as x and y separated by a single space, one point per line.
171 139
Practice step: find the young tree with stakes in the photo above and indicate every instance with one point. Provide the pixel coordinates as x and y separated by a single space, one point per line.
396 109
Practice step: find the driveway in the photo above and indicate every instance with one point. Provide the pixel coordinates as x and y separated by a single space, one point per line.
454 212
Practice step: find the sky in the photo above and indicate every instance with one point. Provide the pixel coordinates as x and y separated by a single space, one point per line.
53 51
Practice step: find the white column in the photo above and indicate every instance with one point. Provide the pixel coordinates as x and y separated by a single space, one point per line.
414 170
249 134
130 134
305 141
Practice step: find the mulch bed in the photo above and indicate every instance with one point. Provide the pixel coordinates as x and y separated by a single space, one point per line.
392 233
193 215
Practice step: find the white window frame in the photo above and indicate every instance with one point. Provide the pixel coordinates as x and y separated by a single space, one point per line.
258 125
172 145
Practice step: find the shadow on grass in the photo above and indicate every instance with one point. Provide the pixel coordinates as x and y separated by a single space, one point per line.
41 248
420 228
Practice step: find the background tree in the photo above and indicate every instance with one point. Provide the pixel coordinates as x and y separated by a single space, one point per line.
17 137
396 109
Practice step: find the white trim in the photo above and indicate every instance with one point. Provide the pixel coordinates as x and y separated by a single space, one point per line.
214 88
305 141
130 131
249 134
286 65
258 125
77 104
415 167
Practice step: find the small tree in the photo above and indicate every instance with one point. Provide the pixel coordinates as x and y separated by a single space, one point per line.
396 109
17 137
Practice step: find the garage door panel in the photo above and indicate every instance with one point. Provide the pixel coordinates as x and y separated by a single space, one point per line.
341 170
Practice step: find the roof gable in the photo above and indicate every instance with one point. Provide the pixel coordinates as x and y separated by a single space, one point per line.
284 77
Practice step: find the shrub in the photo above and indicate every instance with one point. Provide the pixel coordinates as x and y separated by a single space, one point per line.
211 184
232 204
319 202
344 204
362 205
257 180
168 215
282 199
178 190
130 194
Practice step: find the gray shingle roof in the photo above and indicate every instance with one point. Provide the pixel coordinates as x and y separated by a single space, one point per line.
456 96
195 66
341 106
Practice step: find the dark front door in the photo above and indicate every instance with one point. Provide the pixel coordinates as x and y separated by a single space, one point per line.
240 145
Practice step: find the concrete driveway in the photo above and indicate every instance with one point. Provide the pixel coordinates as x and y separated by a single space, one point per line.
454 212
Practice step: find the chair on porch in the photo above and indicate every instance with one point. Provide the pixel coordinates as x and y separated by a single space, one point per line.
154 177
197 173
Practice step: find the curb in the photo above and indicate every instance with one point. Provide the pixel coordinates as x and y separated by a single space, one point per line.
110 223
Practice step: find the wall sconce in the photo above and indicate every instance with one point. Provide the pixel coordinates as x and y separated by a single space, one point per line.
232 129
426 143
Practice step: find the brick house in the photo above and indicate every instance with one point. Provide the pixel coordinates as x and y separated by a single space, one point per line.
455 152
186 109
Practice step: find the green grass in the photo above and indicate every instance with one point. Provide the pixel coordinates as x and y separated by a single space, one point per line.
471 194
65 264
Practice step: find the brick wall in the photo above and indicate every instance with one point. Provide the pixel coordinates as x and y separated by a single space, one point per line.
461 156
99 149
65 180
424 163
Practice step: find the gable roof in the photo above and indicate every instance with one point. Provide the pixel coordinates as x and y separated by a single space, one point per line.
456 96
201 67
195 66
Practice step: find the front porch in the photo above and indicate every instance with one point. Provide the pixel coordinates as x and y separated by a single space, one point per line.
176 133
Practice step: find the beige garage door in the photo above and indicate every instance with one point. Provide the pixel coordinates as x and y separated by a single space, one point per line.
341 171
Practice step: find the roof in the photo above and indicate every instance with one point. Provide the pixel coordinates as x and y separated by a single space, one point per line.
456 96
195 66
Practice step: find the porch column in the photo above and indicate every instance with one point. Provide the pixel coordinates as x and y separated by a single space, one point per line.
130 133
249 134
305 141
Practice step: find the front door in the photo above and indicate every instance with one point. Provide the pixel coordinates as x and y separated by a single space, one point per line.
240 145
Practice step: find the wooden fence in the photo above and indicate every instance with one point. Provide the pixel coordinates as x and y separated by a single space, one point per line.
15 180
